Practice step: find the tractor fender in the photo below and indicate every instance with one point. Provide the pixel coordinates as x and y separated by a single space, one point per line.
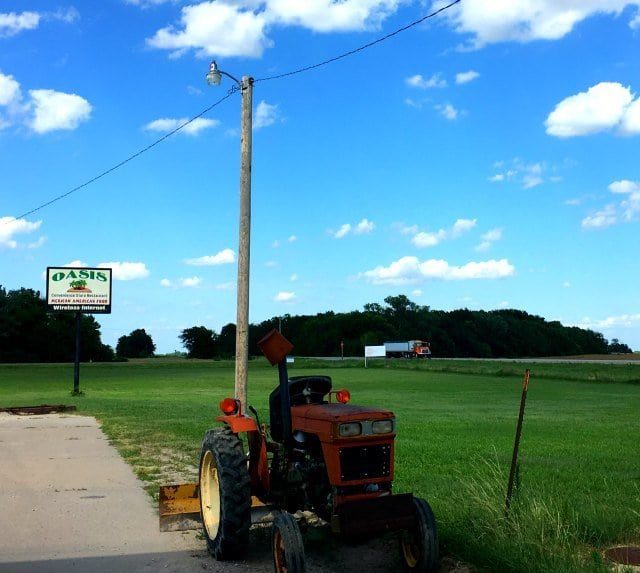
239 424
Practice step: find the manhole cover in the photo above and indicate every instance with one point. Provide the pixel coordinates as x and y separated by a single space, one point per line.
625 555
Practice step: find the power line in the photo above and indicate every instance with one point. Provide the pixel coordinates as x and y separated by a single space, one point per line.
131 157
361 48
228 95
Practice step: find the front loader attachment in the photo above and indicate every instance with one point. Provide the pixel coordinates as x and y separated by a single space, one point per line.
179 507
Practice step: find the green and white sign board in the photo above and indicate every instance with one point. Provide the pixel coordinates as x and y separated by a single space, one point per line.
75 289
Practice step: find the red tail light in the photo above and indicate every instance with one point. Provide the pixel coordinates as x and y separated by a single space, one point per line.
229 406
343 396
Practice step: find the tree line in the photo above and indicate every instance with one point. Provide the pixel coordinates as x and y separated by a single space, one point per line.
28 333
463 333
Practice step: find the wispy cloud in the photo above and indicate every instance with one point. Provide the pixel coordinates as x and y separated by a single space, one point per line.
423 239
285 296
224 257
10 227
418 81
126 271
167 124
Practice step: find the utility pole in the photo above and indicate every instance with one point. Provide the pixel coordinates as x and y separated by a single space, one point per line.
214 77
244 245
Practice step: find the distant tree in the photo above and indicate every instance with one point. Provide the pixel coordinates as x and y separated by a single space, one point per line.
199 341
137 344
617 347
28 333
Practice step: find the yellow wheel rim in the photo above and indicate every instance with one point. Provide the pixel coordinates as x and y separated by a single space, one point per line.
410 551
210 495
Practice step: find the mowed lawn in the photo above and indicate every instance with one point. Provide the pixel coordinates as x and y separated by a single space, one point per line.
579 481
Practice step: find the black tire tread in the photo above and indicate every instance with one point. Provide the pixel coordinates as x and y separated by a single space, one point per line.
292 538
235 494
428 536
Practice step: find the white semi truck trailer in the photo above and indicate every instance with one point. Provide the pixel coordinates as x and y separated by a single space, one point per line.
409 349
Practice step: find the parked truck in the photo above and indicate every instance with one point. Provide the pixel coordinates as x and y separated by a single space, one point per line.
409 349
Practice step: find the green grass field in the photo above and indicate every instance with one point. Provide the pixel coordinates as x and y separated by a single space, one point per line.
579 481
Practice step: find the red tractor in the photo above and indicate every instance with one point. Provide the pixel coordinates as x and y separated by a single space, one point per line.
319 453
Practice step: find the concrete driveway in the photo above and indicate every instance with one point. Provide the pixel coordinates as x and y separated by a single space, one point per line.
69 502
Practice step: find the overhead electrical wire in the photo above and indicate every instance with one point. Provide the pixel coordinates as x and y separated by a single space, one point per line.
361 48
228 95
131 157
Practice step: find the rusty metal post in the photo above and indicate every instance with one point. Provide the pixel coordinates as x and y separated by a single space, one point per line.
244 241
516 445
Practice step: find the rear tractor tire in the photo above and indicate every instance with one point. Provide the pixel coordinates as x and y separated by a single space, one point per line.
287 546
419 546
225 494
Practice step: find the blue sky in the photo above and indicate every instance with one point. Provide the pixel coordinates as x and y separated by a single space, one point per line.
487 159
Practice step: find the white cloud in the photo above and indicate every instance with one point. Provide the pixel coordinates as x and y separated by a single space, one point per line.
126 271
9 89
271 264
566 284
224 257
215 29
634 24
526 20
631 206
226 286
431 239
238 27
448 111
191 282
166 283
528 175
363 227
342 232
605 106
37 244
624 186
76 263
466 77
503 304
416 292
167 124
293 278
611 321
600 219
292 239
489 238
13 23
266 115
410 270
10 226
435 81
54 110
285 296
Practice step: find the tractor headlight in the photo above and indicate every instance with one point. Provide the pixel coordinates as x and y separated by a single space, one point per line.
382 427
350 429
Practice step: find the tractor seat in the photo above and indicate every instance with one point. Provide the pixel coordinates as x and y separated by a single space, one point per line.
302 390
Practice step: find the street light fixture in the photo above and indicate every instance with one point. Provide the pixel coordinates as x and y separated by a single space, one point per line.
214 77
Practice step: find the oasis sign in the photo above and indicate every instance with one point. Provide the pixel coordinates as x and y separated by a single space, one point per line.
79 289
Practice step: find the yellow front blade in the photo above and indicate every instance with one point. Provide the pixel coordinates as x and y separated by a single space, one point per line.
179 507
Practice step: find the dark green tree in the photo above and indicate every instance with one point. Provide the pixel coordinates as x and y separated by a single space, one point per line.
199 341
137 344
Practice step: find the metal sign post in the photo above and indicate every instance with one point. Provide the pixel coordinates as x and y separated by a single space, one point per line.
78 290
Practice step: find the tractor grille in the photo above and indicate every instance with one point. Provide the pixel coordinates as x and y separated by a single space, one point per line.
364 462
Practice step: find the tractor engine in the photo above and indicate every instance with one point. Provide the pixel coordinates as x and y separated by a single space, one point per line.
339 452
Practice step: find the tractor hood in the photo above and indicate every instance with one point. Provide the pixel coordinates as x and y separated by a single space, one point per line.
340 412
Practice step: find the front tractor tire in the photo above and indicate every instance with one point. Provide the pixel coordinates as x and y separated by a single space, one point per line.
225 494
419 546
287 545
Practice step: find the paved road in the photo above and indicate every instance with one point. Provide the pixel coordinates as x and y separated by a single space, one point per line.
68 502
523 360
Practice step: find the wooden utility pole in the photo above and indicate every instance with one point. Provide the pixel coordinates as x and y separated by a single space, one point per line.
516 444
244 242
